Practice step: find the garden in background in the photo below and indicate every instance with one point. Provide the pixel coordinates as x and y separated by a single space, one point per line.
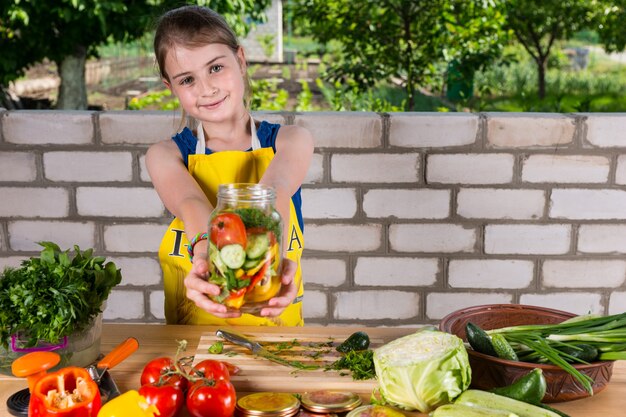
396 55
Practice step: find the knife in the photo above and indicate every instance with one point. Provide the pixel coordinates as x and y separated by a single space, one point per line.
259 350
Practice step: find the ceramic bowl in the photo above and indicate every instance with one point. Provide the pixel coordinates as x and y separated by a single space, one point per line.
490 372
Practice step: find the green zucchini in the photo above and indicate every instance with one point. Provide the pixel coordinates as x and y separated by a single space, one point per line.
554 410
530 388
581 352
479 340
502 347
476 398
459 410
356 341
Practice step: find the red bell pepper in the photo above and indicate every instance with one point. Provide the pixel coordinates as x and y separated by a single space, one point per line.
69 392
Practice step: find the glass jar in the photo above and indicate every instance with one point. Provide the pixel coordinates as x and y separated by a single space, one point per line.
245 236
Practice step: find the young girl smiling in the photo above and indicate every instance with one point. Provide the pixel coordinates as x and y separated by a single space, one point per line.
202 63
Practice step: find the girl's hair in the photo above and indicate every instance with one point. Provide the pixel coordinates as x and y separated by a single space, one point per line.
192 27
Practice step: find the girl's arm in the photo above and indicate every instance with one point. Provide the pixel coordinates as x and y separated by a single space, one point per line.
286 172
184 198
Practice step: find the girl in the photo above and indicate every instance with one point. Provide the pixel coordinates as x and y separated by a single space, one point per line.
202 63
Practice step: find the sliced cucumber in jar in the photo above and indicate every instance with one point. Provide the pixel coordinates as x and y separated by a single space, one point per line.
251 263
257 245
233 256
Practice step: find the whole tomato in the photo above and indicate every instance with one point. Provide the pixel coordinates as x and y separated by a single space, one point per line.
167 398
159 371
212 369
228 229
211 399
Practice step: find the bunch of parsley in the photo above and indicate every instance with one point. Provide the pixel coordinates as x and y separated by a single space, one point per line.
54 295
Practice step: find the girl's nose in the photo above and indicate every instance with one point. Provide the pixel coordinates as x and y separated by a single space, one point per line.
209 88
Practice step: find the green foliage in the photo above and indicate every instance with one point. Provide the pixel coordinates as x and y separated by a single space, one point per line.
267 96
350 97
157 100
36 29
267 43
54 295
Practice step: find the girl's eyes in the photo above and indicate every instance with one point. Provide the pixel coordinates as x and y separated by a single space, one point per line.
216 68
213 69
186 80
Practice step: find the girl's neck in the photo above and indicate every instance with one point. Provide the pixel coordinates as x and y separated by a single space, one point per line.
233 134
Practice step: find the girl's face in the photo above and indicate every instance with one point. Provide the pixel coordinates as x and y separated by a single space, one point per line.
208 81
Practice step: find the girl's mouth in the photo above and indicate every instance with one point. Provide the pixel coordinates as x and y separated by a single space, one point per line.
213 105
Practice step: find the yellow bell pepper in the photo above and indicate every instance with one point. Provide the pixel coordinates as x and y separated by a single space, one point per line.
129 404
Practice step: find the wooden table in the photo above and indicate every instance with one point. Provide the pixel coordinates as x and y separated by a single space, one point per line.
160 340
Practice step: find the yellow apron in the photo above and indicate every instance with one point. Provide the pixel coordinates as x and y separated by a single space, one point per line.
210 171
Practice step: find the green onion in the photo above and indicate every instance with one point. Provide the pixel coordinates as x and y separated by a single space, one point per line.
541 342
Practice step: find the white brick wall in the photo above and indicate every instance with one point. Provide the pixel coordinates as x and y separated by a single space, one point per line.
490 273
584 274
426 130
566 169
574 302
514 130
24 235
343 237
88 166
17 166
407 204
375 168
422 211
20 202
375 305
588 204
470 169
527 239
489 203
439 305
602 238
396 272
329 203
118 202
445 238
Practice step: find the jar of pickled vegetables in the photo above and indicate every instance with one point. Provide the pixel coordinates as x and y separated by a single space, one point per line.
245 232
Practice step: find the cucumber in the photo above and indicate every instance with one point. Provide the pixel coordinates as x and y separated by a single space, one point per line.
257 245
460 410
251 263
530 388
233 256
479 340
502 347
477 398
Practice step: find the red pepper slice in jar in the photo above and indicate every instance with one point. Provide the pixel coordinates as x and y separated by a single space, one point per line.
69 392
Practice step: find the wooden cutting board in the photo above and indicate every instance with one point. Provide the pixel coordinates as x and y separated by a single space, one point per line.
260 374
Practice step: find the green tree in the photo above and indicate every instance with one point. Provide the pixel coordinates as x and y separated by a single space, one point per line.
67 32
610 23
537 24
380 39
399 40
473 40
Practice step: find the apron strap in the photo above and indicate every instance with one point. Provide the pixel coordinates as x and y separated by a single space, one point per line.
201 144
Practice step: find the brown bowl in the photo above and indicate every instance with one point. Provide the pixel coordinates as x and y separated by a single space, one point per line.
490 372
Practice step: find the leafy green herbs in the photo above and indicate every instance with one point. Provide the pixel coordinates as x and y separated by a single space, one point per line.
54 295
253 217
359 362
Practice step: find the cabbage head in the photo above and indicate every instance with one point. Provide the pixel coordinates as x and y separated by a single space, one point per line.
422 370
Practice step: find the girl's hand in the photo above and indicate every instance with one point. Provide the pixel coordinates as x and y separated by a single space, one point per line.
287 292
198 287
